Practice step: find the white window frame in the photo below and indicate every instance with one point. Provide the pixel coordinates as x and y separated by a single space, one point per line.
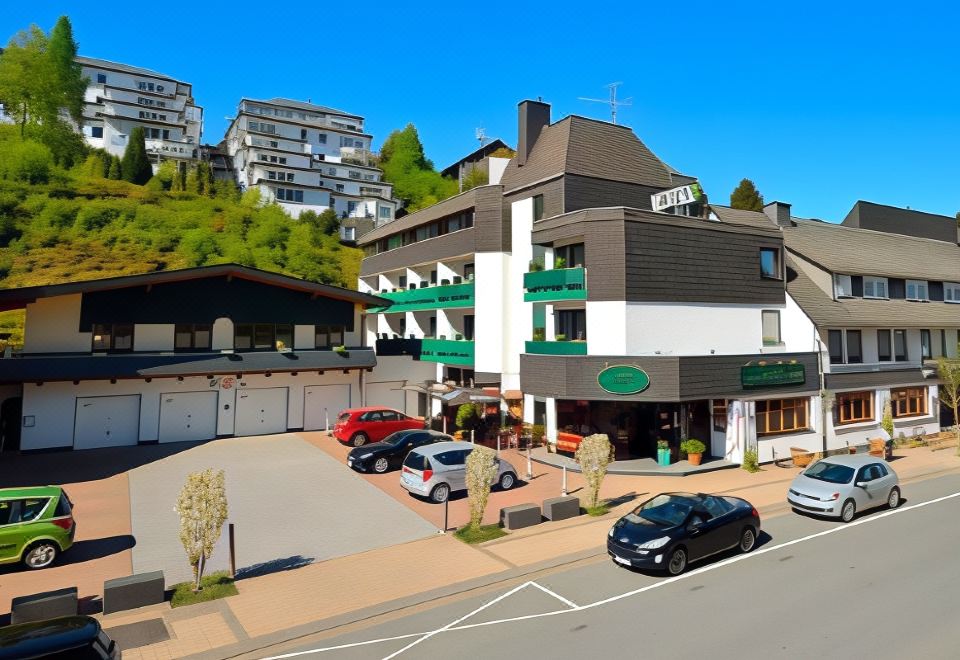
770 313
874 285
842 286
951 292
918 285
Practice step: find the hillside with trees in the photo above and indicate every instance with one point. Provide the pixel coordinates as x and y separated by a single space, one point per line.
414 179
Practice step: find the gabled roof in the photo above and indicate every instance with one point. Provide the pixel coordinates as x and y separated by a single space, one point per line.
475 155
126 68
20 298
588 147
742 217
846 250
300 105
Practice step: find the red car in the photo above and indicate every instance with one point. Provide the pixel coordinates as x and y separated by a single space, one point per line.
358 426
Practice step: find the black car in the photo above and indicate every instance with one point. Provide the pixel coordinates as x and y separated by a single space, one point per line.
669 531
75 637
390 452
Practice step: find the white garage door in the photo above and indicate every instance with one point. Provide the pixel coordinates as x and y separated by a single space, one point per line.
188 416
322 403
387 394
260 411
106 421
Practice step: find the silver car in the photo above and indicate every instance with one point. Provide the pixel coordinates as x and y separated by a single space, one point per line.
439 469
840 486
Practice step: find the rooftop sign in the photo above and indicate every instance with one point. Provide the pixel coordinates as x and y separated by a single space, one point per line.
676 197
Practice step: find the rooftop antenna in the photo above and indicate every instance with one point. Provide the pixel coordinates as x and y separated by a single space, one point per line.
481 135
612 101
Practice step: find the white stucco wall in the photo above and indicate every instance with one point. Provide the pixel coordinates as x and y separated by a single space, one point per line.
493 316
607 328
153 336
52 326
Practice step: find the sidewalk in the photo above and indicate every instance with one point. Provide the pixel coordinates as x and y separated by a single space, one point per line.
321 596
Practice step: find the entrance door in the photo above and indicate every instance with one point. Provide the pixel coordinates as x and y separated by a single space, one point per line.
106 421
10 414
188 416
261 411
322 404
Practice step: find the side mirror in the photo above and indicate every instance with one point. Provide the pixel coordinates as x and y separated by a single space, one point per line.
861 484
694 526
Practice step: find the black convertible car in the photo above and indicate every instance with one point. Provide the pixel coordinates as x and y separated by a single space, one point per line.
390 452
669 531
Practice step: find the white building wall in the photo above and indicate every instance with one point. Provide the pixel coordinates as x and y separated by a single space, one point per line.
607 328
153 336
497 167
52 326
494 316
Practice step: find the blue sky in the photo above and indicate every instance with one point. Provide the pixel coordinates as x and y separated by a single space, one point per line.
820 104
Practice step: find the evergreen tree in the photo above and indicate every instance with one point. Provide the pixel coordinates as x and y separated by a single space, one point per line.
115 170
135 166
70 83
746 197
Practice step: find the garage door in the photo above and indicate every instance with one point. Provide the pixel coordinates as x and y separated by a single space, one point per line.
188 416
321 403
387 394
261 411
106 421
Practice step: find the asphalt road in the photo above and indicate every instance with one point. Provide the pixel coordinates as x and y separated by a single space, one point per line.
884 586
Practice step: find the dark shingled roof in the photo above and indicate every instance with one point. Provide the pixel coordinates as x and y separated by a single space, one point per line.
578 145
462 202
741 217
300 105
126 68
98 367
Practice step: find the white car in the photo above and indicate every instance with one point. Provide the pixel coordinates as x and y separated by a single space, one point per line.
436 470
840 486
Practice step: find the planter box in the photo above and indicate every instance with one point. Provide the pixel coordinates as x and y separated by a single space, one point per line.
138 590
45 605
561 508
520 516
663 456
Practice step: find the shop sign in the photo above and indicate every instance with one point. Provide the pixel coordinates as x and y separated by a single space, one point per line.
623 379
772 375
676 197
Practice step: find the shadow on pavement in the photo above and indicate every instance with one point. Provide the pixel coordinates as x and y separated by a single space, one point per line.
274 566
82 551
622 499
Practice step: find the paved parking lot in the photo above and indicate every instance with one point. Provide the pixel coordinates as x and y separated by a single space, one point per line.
291 505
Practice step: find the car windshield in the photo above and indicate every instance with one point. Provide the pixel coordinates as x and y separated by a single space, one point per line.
666 510
396 438
830 472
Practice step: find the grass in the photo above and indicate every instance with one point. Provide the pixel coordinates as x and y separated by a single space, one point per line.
216 585
601 509
485 533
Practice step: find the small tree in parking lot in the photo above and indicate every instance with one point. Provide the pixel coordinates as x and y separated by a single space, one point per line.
594 454
202 507
949 390
481 473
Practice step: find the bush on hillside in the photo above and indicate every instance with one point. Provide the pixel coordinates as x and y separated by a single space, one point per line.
26 161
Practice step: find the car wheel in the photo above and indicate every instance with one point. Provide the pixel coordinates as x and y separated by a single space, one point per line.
748 539
381 465
359 439
40 554
848 511
677 563
440 493
893 499
507 481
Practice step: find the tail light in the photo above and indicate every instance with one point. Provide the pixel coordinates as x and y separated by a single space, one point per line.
65 523
756 514
427 474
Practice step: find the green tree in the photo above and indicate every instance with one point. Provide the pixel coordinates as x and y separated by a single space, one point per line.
26 78
115 169
746 197
135 166
475 177
70 83
406 166
328 222
468 416
949 391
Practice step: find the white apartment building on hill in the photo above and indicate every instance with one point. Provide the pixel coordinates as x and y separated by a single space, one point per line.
308 157
120 97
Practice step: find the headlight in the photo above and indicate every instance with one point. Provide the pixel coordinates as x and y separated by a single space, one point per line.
367 455
611 533
654 544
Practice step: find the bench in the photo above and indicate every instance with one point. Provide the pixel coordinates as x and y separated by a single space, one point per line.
45 605
561 508
801 457
134 591
568 441
520 516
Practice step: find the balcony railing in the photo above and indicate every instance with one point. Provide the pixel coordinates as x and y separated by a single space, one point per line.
862 367
555 284
447 351
557 347
435 297
399 346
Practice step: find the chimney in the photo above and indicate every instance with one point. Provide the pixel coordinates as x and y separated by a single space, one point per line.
533 116
779 213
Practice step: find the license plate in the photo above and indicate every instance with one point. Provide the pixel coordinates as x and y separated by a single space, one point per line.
621 560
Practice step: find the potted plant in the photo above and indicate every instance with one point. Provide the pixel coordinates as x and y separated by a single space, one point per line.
694 449
536 265
539 334
663 452
559 262
342 350
561 337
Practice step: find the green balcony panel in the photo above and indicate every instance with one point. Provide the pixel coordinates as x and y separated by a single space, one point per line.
557 347
555 284
435 297
447 351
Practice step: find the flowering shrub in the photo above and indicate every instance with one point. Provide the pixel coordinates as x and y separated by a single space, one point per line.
481 473
202 507
594 454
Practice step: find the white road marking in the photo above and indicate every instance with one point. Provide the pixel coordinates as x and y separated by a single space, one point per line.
566 601
452 626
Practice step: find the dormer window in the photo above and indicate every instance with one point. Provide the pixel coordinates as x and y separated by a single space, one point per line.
951 292
917 290
875 287
842 286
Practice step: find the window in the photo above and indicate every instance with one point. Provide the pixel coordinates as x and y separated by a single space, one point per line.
720 415
303 134
572 255
781 416
770 321
261 127
874 287
846 346
943 343
340 187
842 286
469 271
433 327
101 78
328 336
854 347
287 195
264 336
770 263
900 345
854 407
926 350
191 335
384 212
96 131
113 337
835 343
571 323
883 345
538 208
909 401
469 325
322 138
951 292
917 290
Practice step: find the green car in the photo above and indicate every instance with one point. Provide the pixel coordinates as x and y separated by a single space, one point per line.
36 524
